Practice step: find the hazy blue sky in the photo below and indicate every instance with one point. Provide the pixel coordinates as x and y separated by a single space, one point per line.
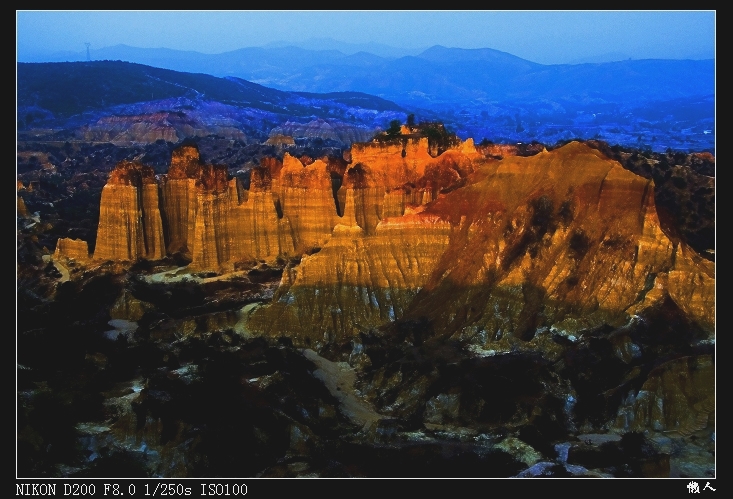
548 37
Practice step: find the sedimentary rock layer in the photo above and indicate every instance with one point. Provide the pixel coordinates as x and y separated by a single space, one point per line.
75 249
489 250
151 127
290 209
564 240
357 281
308 202
322 129
130 225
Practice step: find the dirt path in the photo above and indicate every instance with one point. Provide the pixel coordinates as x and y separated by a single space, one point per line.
64 271
339 379
180 273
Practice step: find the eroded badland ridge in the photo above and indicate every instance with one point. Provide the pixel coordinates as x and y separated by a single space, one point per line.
397 232
435 274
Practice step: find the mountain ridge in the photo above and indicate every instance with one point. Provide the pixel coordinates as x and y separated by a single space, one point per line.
76 96
259 63
494 95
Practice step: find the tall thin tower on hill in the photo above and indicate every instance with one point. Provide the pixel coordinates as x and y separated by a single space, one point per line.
89 57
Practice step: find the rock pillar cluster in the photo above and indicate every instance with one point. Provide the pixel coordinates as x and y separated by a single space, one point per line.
563 241
130 225
290 209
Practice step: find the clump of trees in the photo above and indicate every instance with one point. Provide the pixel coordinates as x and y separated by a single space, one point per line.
394 130
439 137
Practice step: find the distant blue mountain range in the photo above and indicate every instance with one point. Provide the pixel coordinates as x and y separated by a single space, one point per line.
480 92
435 75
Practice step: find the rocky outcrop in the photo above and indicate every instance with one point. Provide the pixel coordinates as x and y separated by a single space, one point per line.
691 284
566 241
21 209
74 249
130 225
678 397
188 186
291 207
254 218
308 202
322 129
210 219
148 128
395 163
278 139
490 251
356 281
386 179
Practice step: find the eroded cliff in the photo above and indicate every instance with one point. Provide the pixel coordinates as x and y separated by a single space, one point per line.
130 225
564 241
493 252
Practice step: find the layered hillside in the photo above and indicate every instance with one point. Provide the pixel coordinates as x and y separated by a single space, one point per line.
322 129
127 104
151 127
565 241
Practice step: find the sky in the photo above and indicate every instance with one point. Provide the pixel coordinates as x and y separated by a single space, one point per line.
546 37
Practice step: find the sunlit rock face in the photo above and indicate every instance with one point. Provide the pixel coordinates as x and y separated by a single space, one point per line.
490 251
364 198
378 257
256 231
387 179
75 249
691 284
393 164
308 202
210 247
289 209
130 225
566 241
194 199
356 281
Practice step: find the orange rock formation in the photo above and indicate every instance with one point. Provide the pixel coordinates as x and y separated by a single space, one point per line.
21 209
490 251
291 207
565 240
75 249
130 225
